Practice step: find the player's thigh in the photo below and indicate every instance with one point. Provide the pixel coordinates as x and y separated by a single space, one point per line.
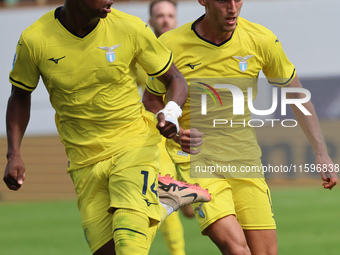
133 182
253 203
93 203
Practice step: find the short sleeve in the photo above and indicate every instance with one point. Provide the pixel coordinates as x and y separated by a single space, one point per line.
278 69
154 86
151 54
25 73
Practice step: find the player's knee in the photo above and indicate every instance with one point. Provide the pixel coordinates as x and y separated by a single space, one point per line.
231 246
233 249
271 250
239 250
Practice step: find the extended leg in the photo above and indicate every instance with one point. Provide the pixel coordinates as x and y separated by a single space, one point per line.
228 235
262 242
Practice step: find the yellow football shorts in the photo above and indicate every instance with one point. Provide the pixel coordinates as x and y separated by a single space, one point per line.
247 198
128 180
167 166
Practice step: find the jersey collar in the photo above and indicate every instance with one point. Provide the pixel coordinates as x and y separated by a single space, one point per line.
200 37
56 16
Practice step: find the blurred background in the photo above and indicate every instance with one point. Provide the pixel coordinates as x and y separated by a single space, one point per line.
308 31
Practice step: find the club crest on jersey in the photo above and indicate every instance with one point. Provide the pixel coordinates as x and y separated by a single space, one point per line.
243 64
110 54
199 210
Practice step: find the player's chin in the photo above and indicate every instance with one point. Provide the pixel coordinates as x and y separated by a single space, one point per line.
104 12
103 15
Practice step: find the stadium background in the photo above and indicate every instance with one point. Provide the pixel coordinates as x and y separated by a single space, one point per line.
308 32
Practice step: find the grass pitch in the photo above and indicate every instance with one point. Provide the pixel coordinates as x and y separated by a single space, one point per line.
308 222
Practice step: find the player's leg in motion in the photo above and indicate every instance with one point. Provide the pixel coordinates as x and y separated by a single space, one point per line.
262 241
175 194
217 219
228 236
127 185
129 225
257 217
130 181
253 231
131 228
171 227
173 234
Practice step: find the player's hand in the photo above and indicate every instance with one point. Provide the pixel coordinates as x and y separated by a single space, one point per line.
166 128
190 140
330 176
14 173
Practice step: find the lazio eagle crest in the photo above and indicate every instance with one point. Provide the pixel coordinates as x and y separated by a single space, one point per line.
243 64
110 54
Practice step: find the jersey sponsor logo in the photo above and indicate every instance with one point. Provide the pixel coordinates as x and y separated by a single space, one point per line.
182 153
56 61
243 64
110 54
149 203
192 66
199 210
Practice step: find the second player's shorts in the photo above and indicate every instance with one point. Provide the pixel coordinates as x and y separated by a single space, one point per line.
127 180
247 198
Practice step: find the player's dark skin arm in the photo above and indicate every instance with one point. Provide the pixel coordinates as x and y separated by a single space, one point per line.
177 91
187 138
17 118
311 128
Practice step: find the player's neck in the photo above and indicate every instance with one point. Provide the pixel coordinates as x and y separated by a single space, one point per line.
77 23
211 32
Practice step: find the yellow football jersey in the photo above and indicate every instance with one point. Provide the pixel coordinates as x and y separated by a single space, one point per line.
91 81
238 61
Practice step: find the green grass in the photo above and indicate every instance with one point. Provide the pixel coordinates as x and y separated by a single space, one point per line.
308 221
41 229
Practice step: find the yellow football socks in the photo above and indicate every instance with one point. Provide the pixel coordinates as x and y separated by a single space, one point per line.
130 231
172 230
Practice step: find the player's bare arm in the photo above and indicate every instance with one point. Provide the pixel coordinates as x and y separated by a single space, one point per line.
187 138
152 103
177 92
311 128
17 118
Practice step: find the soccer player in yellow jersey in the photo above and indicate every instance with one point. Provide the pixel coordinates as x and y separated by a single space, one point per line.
86 54
163 17
221 45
